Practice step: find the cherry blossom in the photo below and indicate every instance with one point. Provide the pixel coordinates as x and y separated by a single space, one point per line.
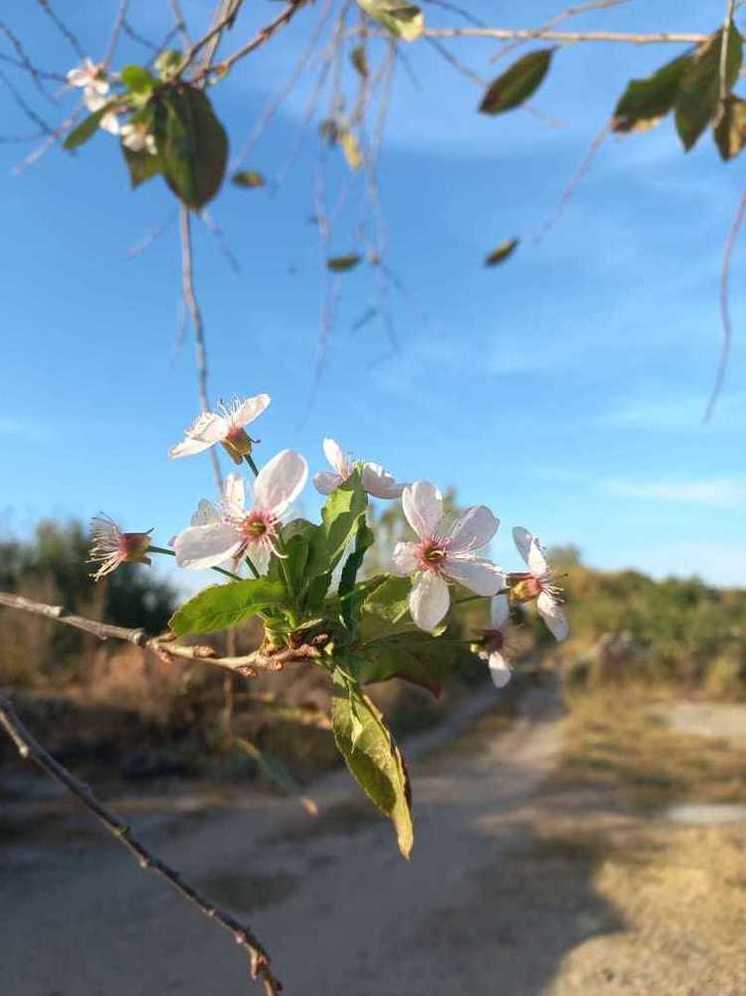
90 76
538 584
376 480
444 554
110 547
494 642
136 137
226 426
230 531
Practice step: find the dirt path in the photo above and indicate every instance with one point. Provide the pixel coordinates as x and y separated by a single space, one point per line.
341 912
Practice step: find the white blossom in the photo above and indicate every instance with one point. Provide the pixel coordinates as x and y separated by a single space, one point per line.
136 137
110 547
444 554
90 76
494 643
226 426
229 531
375 479
538 584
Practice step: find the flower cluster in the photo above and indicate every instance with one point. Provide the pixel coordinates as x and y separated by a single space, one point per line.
245 526
135 134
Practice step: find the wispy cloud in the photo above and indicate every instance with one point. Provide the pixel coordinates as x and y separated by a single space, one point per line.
720 492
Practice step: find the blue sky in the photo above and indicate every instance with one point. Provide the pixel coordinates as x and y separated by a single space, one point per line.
565 389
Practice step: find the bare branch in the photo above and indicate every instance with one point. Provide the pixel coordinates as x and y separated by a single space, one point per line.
730 245
262 36
59 614
566 37
180 23
116 31
30 749
200 348
576 11
24 62
63 28
30 113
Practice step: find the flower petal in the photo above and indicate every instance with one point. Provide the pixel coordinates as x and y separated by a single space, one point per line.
423 507
325 482
336 457
553 615
478 575
110 122
78 76
209 427
537 562
429 600
200 547
474 529
234 494
188 448
499 669
378 482
405 558
522 539
205 515
499 611
280 481
251 408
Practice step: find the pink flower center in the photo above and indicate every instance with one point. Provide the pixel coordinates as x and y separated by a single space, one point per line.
432 554
132 546
259 525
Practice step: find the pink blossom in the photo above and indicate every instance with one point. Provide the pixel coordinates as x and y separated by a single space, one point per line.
110 547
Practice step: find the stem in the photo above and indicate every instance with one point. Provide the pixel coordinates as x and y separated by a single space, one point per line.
252 568
250 461
220 570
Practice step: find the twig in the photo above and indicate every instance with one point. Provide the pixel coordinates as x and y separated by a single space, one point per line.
569 190
153 235
24 61
116 31
565 15
63 28
180 22
59 614
216 29
730 245
225 15
200 349
30 749
657 38
724 46
246 665
283 18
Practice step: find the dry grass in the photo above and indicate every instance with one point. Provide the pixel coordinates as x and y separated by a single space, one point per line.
620 738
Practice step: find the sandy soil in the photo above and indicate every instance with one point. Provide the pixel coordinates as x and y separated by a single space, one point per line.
515 888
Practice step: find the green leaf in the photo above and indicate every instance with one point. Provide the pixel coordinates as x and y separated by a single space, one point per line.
372 755
698 96
730 131
646 101
87 128
192 145
390 599
359 60
412 655
518 83
350 599
342 514
248 178
501 253
138 80
403 20
340 264
224 605
142 165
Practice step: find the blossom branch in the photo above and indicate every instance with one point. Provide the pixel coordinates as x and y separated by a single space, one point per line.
246 665
30 749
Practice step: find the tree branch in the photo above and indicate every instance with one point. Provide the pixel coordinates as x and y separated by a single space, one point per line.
508 34
30 749
200 348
